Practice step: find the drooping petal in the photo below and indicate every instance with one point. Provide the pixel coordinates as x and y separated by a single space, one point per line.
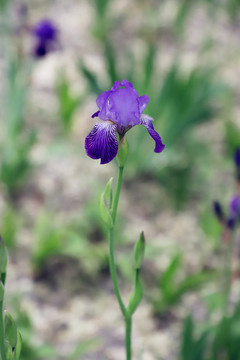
146 121
101 143
143 101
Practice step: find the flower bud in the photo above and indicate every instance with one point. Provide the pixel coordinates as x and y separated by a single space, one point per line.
217 208
107 193
139 251
10 330
18 347
136 296
231 222
122 154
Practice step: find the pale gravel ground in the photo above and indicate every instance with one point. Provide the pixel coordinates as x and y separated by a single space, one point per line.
64 180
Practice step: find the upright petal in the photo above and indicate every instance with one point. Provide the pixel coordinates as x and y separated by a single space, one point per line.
101 143
116 85
143 101
124 107
146 121
103 104
126 83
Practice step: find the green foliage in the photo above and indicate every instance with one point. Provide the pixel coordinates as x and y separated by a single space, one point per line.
48 240
227 338
83 240
171 286
210 225
10 225
192 347
17 140
90 77
220 341
30 351
67 102
83 348
102 21
229 7
232 133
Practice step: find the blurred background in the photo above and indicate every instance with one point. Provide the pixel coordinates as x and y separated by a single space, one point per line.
56 58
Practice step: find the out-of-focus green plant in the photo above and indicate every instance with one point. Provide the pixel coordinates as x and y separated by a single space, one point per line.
192 347
232 132
83 240
172 286
10 337
9 225
67 102
102 21
83 348
48 240
230 7
31 349
227 337
16 137
213 342
80 240
210 225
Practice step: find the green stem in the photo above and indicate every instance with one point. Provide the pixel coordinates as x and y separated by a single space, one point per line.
227 275
113 270
128 336
2 345
116 197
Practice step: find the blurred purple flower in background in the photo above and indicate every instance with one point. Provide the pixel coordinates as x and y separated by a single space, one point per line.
237 163
46 35
217 208
237 157
120 109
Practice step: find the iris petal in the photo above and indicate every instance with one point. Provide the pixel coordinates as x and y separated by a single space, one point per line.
143 101
116 85
127 84
124 107
146 121
101 142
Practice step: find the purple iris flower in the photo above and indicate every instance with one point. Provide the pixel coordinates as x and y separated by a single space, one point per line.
46 35
120 109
